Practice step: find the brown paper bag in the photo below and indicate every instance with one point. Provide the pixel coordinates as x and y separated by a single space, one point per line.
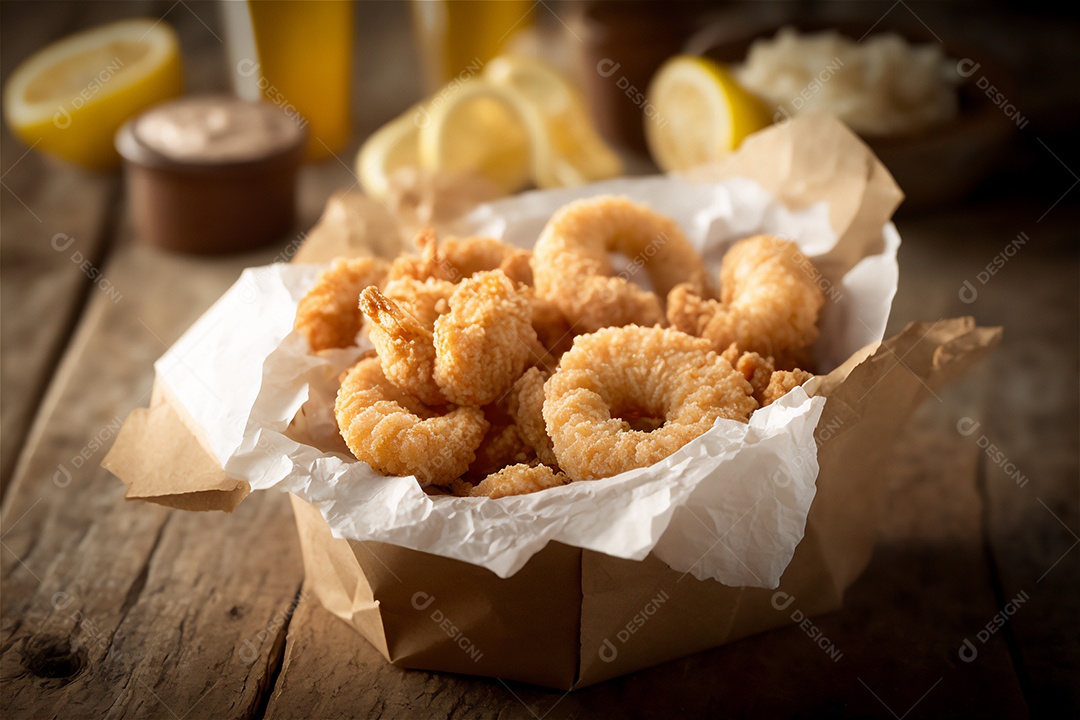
573 617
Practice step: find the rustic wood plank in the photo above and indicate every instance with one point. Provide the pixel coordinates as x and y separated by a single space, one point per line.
124 609
114 607
43 199
39 200
1025 402
127 609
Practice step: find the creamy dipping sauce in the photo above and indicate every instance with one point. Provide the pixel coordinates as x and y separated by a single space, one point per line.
216 129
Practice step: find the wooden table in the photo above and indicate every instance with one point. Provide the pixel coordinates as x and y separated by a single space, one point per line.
115 609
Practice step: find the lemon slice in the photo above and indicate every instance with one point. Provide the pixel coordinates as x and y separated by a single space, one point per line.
578 154
702 113
477 127
69 98
393 146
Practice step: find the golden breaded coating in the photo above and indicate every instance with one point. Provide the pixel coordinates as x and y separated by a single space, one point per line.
329 315
552 328
428 263
402 330
456 259
518 266
769 303
645 373
518 479
573 270
473 255
769 384
397 435
486 340
502 446
756 369
781 383
525 403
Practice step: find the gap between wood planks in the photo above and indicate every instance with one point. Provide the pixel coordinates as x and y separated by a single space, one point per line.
998 587
276 658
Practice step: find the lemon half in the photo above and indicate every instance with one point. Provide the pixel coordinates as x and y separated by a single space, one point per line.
701 113
69 98
577 153
480 128
393 146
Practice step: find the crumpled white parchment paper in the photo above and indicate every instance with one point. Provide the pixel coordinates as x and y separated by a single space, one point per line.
730 506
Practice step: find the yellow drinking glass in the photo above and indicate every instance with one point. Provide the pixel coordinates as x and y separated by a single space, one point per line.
304 65
457 37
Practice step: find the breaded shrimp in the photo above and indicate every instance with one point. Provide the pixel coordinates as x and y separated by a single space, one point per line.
769 383
781 383
428 263
328 316
473 255
769 303
486 340
456 259
403 333
502 446
519 479
525 403
398 435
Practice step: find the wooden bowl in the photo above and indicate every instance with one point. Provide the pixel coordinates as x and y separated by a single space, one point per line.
936 167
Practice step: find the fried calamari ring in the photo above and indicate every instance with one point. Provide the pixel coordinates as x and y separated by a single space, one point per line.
769 303
525 403
397 435
402 330
572 267
519 479
486 340
328 316
645 373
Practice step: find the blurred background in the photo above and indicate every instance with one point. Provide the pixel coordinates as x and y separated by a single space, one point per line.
354 67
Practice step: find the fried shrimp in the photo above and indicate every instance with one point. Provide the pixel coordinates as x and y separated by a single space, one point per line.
644 373
769 384
552 329
456 259
525 403
397 435
425 300
328 316
473 255
402 331
486 340
428 263
756 369
572 267
502 445
781 383
519 479
769 303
